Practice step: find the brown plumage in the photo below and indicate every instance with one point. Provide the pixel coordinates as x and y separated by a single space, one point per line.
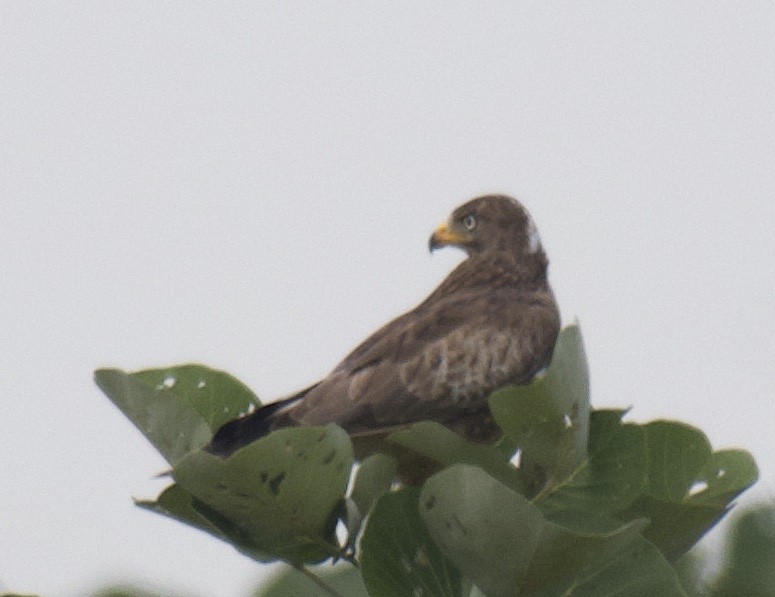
493 321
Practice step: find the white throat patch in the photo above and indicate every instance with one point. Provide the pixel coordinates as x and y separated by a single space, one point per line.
533 240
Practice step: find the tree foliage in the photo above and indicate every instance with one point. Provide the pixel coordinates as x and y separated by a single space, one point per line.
571 501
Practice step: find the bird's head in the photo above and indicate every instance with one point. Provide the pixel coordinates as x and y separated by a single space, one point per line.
489 224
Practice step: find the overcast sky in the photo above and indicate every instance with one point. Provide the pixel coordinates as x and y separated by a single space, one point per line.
252 186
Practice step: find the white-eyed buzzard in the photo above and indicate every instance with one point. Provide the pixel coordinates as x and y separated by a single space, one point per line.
493 321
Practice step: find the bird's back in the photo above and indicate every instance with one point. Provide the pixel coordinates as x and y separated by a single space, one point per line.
493 321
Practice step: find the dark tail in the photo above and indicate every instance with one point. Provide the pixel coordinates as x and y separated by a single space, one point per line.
242 431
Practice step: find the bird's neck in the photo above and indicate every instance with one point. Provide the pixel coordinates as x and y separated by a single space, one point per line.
501 270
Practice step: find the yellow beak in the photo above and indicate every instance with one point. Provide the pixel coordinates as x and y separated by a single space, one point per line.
443 235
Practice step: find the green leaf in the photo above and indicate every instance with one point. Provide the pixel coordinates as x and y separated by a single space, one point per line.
725 475
612 502
504 544
489 531
637 570
618 464
690 569
608 481
344 578
674 527
549 418
398 556
122 590
166 419
178 408
688 488
683 468
750 566
217 396
281 491
432 446
174 502
675 455
374 477
663 471
563 554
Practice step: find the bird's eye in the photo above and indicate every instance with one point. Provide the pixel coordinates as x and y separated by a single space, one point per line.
469 222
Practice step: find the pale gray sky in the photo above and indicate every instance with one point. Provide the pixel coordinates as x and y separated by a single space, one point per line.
252 186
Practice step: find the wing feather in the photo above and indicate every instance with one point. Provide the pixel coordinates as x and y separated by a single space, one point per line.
443 359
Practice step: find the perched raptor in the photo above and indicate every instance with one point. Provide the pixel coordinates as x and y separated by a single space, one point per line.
493 321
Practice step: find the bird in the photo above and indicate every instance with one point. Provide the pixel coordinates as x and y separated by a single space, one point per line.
493 321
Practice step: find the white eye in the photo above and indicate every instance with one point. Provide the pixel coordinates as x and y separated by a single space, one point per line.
469 222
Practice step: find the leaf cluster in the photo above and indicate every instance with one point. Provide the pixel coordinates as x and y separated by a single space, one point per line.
570 501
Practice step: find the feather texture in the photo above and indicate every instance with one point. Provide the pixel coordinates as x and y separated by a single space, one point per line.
493 321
